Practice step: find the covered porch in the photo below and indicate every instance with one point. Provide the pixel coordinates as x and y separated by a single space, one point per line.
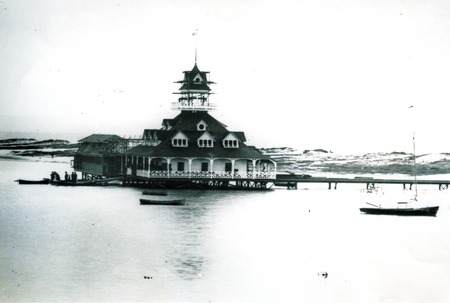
200 168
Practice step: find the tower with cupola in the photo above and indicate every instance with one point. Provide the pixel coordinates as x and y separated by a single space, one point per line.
194 92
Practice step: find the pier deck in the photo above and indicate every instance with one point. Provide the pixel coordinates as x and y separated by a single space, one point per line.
291 180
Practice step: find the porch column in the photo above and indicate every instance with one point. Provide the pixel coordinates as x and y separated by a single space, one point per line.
232 168
254 168
168 167
149 165
190 166
211 164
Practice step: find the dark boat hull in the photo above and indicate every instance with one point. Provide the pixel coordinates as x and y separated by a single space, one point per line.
422 211
43 181
162 201
78 183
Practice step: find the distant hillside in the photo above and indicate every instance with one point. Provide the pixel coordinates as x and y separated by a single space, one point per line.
33 148
309 161
24 143
319 160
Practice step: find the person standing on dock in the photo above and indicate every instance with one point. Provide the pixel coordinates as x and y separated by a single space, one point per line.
74 177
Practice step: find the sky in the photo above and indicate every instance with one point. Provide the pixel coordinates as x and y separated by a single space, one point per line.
338 75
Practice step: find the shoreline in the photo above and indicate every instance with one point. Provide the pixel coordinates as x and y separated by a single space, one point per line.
7 155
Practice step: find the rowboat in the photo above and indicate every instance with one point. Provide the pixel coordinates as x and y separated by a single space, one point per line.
94 182
78 183
407 211
162 201
43 181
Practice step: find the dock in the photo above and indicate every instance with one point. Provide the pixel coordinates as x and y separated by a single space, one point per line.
291 180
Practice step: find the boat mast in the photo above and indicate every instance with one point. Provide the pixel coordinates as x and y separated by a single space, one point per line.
414 160
415 168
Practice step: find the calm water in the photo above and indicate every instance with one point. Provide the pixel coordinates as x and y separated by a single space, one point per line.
100 244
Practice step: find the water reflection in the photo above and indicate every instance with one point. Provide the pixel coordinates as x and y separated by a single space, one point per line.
189 228
189 267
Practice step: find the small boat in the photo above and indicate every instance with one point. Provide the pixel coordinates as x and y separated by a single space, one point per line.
78 183
402 211
43 181
402 208
93 182
162 201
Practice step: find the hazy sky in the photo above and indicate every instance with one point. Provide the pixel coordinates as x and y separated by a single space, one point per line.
337 75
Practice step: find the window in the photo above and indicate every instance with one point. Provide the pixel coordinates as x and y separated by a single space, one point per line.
201 126
180 166
205 143
205 166
179 142
198 79
230 144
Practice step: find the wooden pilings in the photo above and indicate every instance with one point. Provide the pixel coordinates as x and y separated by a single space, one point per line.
291 181
443 186
410 186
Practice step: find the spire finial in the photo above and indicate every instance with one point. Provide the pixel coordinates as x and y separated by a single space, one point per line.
196 40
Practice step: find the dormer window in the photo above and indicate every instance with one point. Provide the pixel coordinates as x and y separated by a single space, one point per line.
205 143
230 141
230 144
205 140
201 126
180 140
198 79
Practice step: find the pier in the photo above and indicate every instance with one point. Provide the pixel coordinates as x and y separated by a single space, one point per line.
290 181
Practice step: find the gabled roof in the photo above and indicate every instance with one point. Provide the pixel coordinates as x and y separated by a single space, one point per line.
167 122
240 136
99 143
165 149
100 138
179 134
205 135
160 134
192 80
186 123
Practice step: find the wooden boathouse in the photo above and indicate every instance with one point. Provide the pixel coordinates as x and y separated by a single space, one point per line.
195 149
100 155
192 149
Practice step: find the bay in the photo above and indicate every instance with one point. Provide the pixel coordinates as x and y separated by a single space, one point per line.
98 244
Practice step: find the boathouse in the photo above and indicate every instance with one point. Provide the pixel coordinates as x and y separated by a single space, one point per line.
100 155
196 149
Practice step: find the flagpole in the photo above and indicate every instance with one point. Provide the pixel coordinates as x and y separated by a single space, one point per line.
196 43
